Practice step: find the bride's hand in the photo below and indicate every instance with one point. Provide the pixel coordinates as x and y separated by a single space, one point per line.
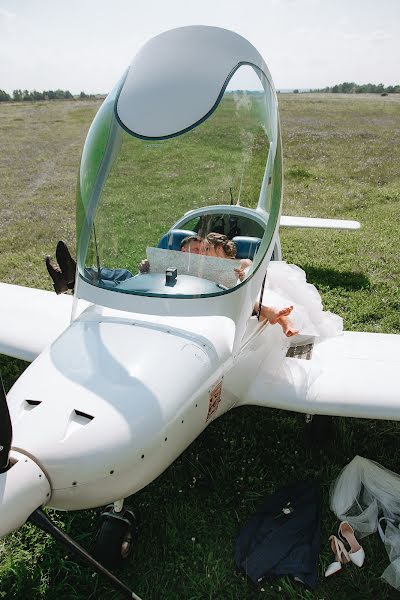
240 272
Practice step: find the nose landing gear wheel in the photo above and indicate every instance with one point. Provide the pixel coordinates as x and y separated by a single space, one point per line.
114 542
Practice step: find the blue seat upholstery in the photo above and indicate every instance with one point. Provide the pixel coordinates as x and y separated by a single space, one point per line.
172 239
246 246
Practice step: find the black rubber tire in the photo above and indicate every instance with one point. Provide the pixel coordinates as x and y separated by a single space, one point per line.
114 543
319 432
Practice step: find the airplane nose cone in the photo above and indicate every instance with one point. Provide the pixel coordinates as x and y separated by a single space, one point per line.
23 488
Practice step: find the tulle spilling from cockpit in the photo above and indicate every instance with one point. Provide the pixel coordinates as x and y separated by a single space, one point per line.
286 285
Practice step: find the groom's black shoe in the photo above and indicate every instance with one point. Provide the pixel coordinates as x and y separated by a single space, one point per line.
67 264
59 283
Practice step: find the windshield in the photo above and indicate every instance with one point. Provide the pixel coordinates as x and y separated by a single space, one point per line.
142 216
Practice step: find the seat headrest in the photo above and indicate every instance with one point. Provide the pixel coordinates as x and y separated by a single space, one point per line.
246 246
172 239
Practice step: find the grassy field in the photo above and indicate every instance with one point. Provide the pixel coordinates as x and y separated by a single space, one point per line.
341 160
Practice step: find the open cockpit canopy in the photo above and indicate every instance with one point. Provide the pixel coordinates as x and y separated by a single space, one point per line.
187 144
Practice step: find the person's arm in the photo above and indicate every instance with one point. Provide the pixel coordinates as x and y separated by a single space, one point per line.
244 265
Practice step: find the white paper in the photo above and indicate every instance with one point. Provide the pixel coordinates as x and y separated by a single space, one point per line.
219 270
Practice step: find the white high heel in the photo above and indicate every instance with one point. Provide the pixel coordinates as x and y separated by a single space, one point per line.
341 556
356 554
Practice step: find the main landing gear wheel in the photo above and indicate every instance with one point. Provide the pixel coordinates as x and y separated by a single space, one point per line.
114 542
319 430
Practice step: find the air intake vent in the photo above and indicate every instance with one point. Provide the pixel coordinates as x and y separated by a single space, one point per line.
79 413
77 420
31 404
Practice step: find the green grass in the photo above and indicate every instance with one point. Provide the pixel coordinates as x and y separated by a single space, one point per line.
151 185
341 161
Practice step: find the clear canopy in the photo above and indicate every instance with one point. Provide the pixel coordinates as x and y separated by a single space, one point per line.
181 207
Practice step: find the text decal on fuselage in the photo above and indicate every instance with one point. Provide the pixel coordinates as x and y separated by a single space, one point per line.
214 399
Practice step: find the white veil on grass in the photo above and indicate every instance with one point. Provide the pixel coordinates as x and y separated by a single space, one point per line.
364 493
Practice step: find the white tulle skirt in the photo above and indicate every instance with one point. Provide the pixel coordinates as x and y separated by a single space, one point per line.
286 285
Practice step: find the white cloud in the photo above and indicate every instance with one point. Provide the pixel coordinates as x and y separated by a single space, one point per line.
6 23
6 13
379 36
369 36
6 16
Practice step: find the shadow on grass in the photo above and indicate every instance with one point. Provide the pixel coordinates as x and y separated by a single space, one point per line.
347 280
11 369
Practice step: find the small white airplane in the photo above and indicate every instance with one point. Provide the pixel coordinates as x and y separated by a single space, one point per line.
126 374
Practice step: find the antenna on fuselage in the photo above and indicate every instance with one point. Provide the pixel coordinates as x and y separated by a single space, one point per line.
233 221
240 188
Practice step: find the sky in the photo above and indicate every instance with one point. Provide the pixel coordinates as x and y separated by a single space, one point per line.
86 45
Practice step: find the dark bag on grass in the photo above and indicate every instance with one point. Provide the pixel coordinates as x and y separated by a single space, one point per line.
283 537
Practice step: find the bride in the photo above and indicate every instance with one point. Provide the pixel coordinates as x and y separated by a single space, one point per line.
286 293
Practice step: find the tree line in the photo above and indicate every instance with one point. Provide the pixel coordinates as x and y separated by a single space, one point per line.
27 96
354 88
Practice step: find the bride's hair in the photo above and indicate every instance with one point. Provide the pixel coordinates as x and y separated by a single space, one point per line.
219 239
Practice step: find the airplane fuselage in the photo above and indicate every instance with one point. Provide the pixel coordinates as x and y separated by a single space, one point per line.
115 399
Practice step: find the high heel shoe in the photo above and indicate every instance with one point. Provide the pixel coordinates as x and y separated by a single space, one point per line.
341 556
346 534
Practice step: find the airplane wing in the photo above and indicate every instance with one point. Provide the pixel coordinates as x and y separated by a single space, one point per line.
351 375
316 223
30 319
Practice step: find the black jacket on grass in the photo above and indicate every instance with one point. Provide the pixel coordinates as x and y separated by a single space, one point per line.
283 537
